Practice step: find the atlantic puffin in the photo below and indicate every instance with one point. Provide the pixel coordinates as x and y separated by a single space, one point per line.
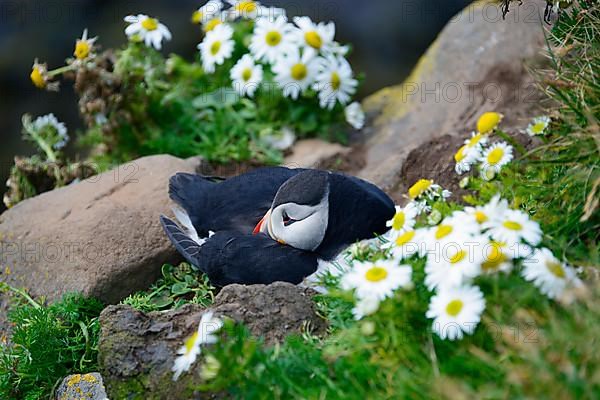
273 223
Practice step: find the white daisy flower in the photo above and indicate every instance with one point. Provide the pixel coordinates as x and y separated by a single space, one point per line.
465 157
315 37
282 139
538 126
403 220
250 9
84 47
406 245
205 334
494 209
496 156
272 39
378 279
207 12
365 306
548 274
143 28
455 310
477 141
513 227
355 115
335 82
421 206
339 50
425 188
215 21
294 73
246 76
497 257
216 47
457 224
49 122
454 262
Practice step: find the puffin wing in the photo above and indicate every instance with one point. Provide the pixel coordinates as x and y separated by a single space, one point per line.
235 204
233 257
357 210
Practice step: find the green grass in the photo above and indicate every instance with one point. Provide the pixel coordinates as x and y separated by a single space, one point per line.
48 343
179 285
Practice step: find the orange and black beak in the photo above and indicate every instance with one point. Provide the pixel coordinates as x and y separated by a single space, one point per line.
262 224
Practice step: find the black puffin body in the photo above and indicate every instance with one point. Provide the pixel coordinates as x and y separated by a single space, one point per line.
349 208
235 204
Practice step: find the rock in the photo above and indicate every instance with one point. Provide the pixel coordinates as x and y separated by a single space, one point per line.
313 153
475 65
86 386
271 311
100 237
137 350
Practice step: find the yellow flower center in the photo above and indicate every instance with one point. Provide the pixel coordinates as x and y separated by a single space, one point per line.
398 221
475 140
513 225
480 217
37 77
538 128
247 74
197 16
442 231
460 154
336 81
150 24
245 6
495 156
454 307
494 258
313 39
215 47
556 269
488 122
418 188
212 24
273 38
458 257
82 49
376 274
405 238
299 71
189 343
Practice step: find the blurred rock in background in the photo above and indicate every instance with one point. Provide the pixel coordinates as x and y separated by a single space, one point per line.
388 37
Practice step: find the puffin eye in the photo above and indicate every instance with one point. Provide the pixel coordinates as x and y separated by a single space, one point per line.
287 221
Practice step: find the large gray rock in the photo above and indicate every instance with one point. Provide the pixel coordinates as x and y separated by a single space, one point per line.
475 65
270 311
137 350
100 237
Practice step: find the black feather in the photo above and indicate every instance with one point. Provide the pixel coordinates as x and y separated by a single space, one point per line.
236 204
231 257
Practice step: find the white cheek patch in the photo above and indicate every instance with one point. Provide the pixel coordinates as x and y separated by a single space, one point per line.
308 231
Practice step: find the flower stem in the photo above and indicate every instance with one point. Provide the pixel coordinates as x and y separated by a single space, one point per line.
61 70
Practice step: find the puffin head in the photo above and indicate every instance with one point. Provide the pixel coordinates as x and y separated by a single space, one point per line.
299 213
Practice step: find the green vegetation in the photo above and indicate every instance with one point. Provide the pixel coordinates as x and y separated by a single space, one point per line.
179 285
526 345
47 343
